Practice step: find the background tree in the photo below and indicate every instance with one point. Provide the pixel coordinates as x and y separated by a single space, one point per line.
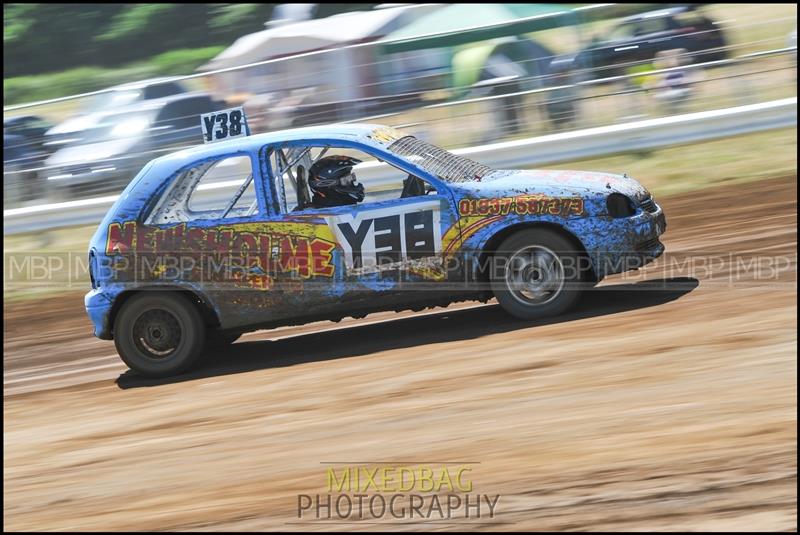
39 38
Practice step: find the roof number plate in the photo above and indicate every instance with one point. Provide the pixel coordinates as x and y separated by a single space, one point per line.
224 124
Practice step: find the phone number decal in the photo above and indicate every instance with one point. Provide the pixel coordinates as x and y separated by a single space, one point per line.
523 205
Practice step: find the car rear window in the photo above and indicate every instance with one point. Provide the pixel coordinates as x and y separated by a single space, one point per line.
439 162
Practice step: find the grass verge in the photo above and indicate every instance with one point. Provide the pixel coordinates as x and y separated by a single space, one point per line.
85 79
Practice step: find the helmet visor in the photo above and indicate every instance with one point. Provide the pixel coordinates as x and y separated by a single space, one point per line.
347 180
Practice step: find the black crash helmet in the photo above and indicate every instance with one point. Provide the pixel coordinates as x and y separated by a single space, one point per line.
333 182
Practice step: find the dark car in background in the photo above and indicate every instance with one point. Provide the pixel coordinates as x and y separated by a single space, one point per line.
31 127
114 144
23 152
640 37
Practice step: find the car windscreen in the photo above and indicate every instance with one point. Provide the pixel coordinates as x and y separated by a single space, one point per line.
439 162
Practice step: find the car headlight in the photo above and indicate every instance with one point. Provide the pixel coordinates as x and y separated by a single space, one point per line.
620 205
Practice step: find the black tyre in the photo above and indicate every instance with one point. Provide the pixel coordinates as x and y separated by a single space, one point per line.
158 334
537 273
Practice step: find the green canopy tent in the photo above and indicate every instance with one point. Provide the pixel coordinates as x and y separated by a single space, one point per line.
474 33
460 24
515 57
468 62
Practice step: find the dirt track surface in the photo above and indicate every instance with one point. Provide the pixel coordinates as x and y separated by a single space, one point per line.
668 404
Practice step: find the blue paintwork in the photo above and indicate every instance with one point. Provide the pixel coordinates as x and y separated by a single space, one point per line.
605 239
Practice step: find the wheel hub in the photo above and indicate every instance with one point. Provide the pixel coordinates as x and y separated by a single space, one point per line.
157 333
535 275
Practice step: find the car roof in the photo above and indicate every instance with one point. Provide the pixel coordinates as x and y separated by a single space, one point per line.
160 168
338 131
666 12
154 103
20 119
143 83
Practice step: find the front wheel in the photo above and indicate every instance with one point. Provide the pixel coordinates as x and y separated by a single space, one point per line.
158 334
537 273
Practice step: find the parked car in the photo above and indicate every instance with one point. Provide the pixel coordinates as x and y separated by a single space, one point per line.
94 109
179 263
640 37
30 127
23 153
118 142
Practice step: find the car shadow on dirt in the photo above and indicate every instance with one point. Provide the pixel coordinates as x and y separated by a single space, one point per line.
446 326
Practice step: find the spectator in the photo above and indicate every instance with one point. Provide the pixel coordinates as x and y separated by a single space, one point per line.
673 88
562 109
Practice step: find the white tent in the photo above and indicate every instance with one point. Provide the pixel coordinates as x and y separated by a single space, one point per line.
317 34
337 73
266 45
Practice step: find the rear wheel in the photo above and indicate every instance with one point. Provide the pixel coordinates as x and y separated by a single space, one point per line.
537 273
159 334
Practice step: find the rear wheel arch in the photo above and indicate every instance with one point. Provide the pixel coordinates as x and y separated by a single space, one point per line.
203 305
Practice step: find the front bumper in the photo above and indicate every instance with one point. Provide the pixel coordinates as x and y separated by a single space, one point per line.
638 244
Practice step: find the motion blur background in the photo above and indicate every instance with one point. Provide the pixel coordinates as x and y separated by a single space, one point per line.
667 400
458 75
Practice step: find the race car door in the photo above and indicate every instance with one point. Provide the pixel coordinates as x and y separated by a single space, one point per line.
391 245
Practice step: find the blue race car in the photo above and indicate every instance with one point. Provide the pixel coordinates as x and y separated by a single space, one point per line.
278 229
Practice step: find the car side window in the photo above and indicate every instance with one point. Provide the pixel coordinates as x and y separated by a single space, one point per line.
288 164
161 90
624 31
184 113
292 171
168 115
654 25
219 189
691 19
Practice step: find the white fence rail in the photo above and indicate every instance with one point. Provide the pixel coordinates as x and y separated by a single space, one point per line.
547 149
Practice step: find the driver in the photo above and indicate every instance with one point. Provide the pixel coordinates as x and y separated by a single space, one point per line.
333 182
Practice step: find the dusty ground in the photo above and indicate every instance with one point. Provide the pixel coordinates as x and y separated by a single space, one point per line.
668 404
